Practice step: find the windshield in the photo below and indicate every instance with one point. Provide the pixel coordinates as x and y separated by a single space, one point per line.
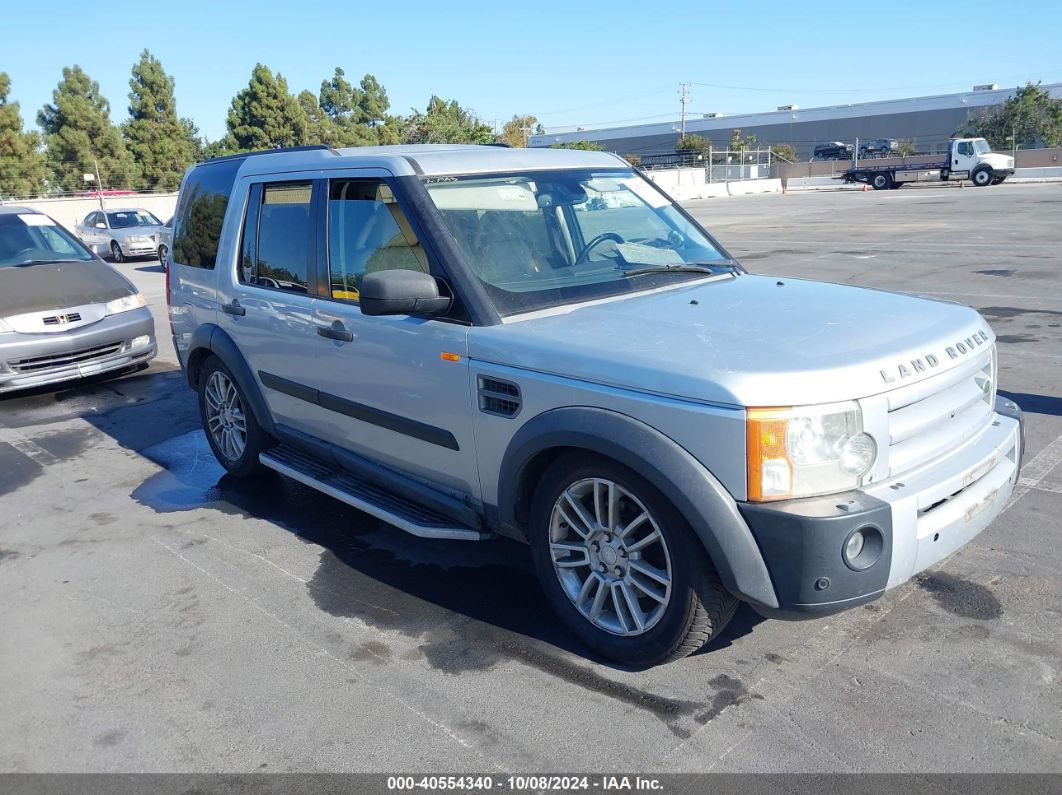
26 238
981 146
123 219
547 238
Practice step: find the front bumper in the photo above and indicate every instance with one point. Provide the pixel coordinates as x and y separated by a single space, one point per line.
30 360
922 517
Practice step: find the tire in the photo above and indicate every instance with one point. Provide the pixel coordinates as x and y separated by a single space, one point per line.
881 181
163 252
998 180
234 435
896 185
676 615
982 177
116 252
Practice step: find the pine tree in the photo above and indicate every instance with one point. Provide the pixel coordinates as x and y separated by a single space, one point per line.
77 131
319 127
21 165
345 104
265 115
162 144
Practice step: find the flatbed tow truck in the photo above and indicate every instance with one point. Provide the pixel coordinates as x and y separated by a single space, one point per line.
966 159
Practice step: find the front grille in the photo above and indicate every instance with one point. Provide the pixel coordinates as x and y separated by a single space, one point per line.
57 361
499 397
55 320
932 418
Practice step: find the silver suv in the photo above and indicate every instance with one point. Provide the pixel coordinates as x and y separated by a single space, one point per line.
468 341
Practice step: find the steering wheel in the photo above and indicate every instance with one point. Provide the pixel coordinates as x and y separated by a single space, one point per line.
596 242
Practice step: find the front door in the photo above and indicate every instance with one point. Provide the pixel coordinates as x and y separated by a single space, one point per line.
963 159
393 389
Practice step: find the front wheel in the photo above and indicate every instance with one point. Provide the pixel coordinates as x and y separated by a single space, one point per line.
116 252
234 435
621 566
982 177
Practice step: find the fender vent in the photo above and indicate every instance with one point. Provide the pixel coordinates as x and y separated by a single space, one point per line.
499 397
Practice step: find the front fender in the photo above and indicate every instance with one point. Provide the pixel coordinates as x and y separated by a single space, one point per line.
682 479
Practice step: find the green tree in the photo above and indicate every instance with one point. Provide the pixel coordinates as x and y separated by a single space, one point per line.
589 146
21 165
738 143
517 130
348 109
633 159
446 122
785 152
265 115
319 127
693 143
77 131
906 146
1032 116
373 103
162 144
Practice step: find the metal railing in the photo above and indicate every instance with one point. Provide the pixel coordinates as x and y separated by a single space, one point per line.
720 165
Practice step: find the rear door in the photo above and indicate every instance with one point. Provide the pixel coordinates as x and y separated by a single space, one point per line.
266 305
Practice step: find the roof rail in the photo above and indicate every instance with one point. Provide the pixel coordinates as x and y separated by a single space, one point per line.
238 155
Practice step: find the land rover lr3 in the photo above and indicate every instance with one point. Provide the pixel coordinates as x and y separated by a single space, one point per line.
467 341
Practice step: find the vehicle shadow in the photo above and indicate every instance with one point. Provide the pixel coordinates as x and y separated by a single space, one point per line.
1035 404
466 605
156 268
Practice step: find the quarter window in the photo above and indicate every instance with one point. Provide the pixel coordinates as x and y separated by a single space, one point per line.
201 211
367 231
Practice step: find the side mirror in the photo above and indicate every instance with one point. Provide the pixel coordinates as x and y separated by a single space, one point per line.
101 225
401 292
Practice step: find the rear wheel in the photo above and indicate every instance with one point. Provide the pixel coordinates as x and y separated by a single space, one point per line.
621 566
116 252
998 180
234 435
982 177
882 181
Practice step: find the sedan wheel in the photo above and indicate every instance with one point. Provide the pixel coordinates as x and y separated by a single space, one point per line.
116 252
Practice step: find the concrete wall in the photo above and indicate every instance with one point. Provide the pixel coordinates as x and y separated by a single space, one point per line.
70 212
684 184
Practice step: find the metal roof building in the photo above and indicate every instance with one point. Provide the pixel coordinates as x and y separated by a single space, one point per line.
929 121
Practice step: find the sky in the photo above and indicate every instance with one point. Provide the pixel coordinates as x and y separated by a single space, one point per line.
580 62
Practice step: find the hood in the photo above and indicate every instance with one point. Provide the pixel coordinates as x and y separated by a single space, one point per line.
745 341
997 160
34 288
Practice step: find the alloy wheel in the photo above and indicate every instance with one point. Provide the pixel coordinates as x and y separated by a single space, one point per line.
225 417
610 556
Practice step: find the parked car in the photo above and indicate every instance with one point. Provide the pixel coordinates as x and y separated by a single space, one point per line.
539 343
121 233
165 243
879 147
834 150
64 313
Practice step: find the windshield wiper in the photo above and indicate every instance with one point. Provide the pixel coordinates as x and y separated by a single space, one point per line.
39 262
709 268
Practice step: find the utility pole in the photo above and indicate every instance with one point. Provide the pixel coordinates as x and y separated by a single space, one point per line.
99 185
684 98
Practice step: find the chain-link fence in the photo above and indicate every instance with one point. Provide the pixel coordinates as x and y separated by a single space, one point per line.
720 165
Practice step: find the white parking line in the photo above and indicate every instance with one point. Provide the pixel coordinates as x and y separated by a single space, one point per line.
1036 470
27 446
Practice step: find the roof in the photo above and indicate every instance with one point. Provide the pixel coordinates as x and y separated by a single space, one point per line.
430 159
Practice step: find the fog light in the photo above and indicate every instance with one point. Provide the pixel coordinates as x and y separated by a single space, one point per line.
141 342
857 454
862 548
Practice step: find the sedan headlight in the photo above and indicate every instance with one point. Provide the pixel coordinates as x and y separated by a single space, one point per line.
125 303
807 450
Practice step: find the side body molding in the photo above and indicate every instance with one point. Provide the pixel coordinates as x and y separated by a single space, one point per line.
698 495
213 339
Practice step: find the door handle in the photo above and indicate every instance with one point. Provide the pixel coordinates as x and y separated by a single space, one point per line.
233 309
335 332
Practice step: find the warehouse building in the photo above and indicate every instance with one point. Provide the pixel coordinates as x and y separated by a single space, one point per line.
927 121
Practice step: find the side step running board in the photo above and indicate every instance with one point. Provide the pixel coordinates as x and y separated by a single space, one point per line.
365 496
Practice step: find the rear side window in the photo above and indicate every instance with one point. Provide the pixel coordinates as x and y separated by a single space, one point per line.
277 236
201 212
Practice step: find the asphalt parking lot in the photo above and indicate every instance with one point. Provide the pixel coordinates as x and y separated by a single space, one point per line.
159 616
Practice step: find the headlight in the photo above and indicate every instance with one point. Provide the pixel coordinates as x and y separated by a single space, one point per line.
807 450
125 303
